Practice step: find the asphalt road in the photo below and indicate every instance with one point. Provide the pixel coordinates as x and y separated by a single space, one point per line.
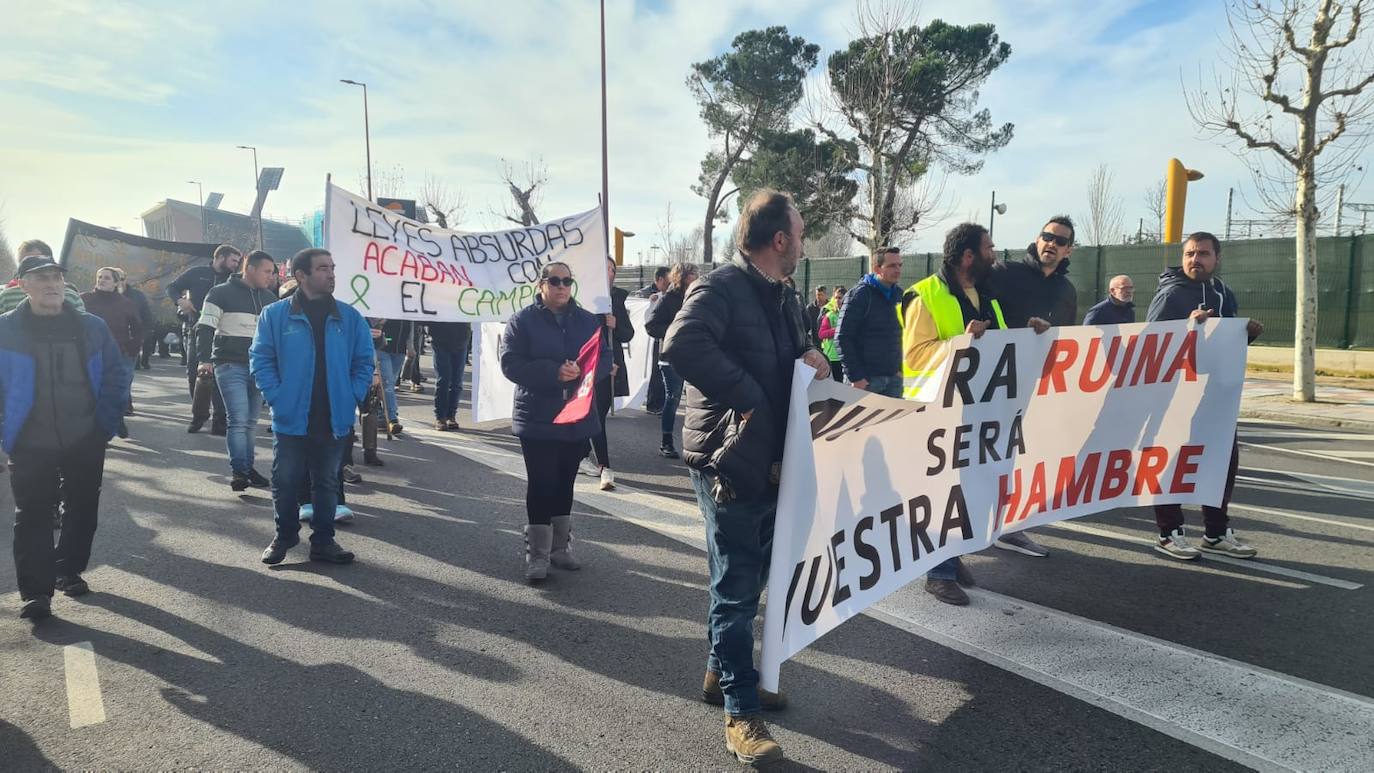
431 652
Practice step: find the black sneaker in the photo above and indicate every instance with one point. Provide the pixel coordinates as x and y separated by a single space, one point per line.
37 609
947 591
331 553
667 452
371 459
239 482
277 551
351 475
219 430
256 480
195 426
73 585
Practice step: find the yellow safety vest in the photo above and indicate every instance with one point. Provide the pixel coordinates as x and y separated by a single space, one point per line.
949 322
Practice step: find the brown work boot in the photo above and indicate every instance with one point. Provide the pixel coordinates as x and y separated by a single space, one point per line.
747 738
711 693
947 591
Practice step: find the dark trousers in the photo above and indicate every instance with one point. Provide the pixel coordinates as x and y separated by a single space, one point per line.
448 389
39 480
605 395
551 469
837 370
216 402
294 457
149 346
654 400
304 491
1214 519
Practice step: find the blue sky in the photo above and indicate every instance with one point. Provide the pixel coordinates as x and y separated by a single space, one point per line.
112 106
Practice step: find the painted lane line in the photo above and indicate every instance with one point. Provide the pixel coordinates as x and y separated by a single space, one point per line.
1306 489
1247 563
1244 713
84 703
1301 517
1300 452
1248 715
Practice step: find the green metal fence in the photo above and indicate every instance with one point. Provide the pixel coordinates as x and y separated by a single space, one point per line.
1261 272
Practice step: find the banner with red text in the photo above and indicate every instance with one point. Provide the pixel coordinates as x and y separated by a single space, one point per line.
392 267
1025 430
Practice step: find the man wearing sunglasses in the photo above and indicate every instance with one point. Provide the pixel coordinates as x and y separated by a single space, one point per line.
1035 292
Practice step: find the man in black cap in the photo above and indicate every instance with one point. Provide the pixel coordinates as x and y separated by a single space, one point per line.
63 383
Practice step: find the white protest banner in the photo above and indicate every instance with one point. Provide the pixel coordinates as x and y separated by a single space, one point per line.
493 396
392 267
1025 430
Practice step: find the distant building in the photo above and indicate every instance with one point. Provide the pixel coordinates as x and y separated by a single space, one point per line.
180 221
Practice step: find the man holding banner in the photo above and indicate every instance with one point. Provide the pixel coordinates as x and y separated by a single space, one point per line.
735 342
1193 291
953 301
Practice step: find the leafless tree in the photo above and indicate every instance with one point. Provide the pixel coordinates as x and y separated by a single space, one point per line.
1103 224
1304 103
836 242
1155 204
389 182
447 205
526 187
663 236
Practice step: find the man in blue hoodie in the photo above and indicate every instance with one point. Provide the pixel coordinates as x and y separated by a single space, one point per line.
1193 291
313 362
870 332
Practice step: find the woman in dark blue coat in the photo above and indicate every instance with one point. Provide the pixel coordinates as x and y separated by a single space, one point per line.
539 354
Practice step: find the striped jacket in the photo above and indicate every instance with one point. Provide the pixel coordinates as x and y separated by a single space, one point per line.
228 321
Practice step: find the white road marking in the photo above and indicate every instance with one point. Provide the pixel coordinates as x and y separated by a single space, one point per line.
1244 713
84 703
1358 486
1301 452
1301 517
1248 563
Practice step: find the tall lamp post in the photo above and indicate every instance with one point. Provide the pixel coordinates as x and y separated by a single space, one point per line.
255 189
367 134
201 193
997 209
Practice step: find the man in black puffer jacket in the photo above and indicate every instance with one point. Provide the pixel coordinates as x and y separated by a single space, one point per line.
1038 284
735 343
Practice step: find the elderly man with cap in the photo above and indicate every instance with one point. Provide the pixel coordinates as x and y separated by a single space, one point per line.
63 384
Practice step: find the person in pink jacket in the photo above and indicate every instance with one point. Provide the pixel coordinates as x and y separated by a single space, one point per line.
830 321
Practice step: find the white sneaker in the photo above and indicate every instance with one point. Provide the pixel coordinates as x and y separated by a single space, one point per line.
1177 546
342 514
588 467
607 479
307 512
1227 545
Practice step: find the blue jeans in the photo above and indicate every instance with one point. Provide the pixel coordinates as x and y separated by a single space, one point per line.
242 401
448 366
293 457
739 547
944 570
390 365
889 386
672 395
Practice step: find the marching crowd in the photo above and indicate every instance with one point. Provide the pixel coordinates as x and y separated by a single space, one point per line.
725 342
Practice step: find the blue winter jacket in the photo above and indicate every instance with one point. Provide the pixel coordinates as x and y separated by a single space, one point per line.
282 361
1109 312
532 349
869 337
105 371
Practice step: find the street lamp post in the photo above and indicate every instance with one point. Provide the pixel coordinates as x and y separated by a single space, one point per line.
201 193
997 209
255 189
367 134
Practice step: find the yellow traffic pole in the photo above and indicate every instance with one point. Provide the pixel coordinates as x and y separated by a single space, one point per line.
1176 181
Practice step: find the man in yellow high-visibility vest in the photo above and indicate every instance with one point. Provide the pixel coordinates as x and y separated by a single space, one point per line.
952 301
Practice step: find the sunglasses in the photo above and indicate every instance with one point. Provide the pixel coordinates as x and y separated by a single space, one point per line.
1062 241
558 281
